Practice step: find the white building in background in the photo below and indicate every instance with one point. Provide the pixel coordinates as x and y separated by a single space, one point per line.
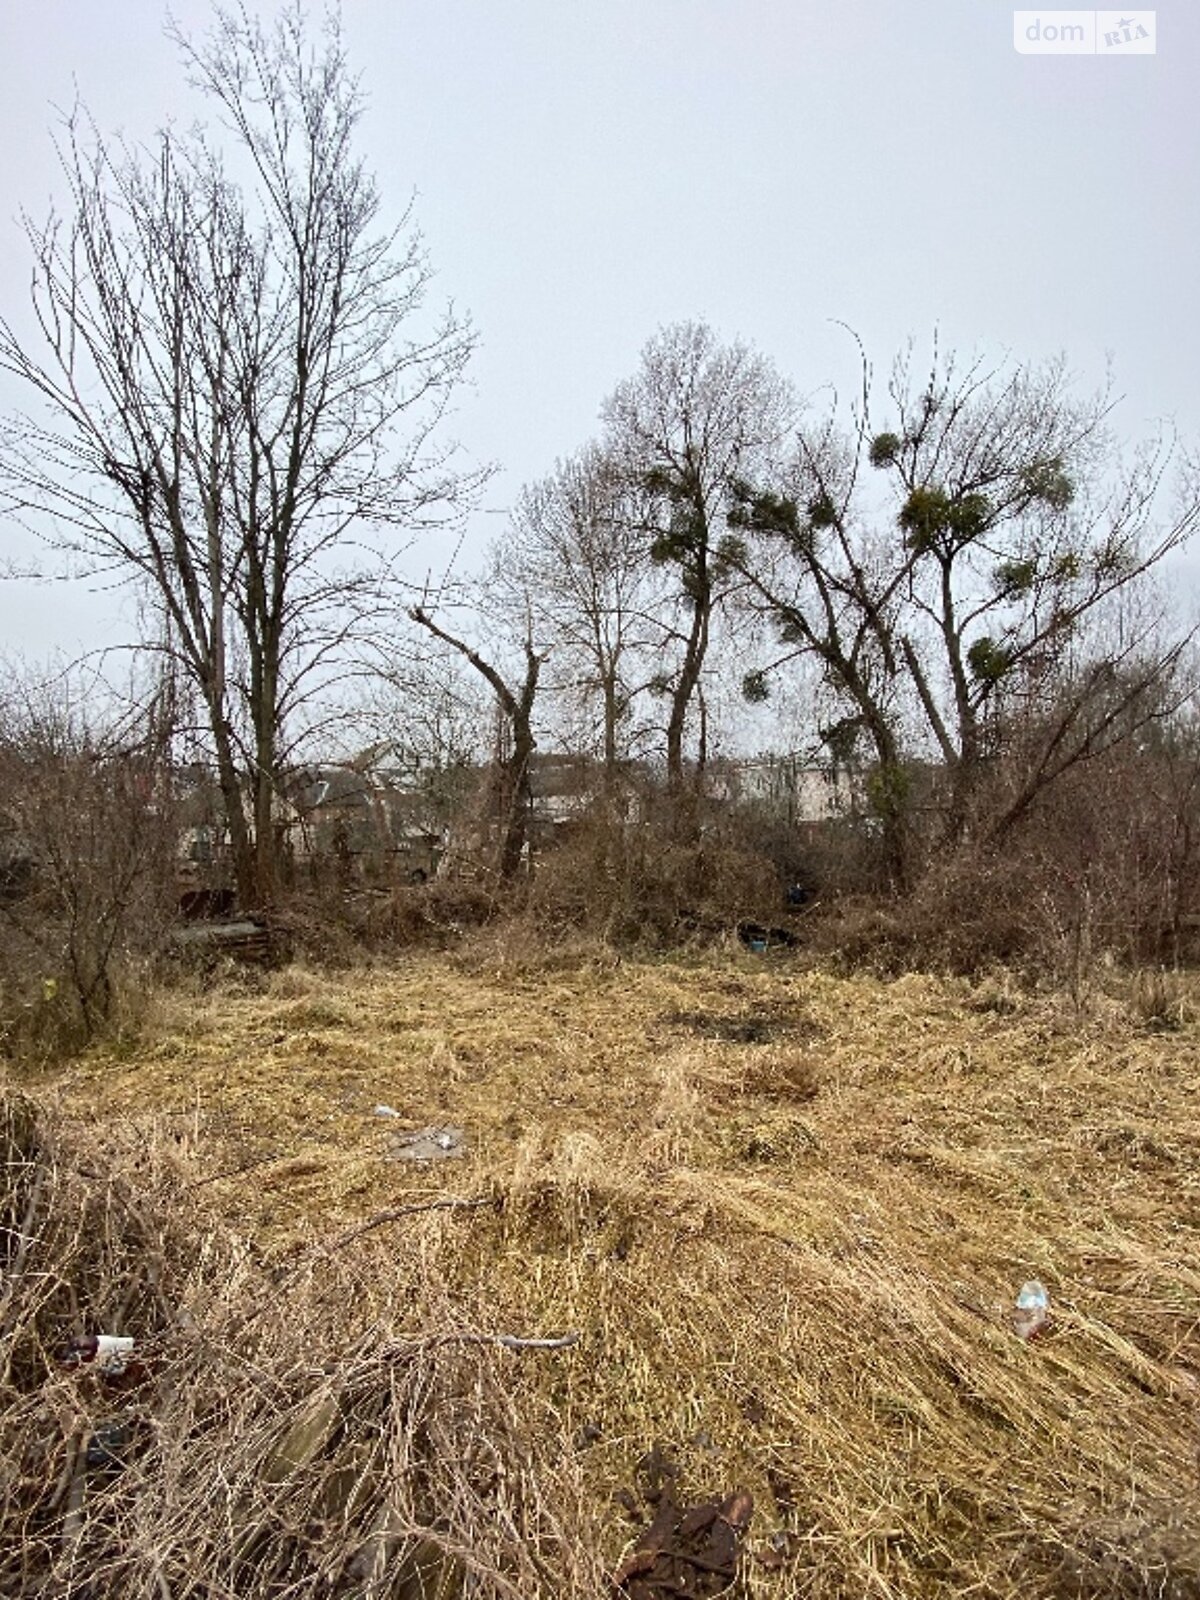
791 786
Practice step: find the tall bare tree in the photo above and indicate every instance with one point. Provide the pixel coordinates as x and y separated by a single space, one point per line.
815 567
696 418
577 549
238 387
1026 526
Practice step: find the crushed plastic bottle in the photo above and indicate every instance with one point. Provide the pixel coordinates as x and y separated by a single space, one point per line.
1032 1312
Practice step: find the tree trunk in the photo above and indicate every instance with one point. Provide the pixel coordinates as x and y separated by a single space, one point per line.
611 713
240 842
265 876
890 800
265 775
517 709
685 689
518 796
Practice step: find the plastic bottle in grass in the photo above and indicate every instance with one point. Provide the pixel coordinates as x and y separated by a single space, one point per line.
1032 1310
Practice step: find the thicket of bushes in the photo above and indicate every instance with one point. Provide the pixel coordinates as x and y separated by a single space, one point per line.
1105 867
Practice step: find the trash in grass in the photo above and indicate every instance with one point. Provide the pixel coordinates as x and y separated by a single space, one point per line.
758 939
776 1552
685 1550
427 1144
1032 1311
385 1111
109 1352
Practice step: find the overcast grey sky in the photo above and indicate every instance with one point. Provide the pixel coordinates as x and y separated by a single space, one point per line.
586 170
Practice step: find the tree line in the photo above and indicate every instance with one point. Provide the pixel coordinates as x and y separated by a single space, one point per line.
238 391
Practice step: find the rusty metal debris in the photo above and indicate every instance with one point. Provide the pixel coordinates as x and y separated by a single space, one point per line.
686 1552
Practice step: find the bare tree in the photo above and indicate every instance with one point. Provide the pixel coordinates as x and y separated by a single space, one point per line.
988 579
577 549
1120 681
431 711
814 566
697 417
1024 526
234 379
514 699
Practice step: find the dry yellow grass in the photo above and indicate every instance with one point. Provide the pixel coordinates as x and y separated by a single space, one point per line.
787 1213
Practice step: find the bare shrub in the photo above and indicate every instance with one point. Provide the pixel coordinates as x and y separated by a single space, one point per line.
340 930
1158 1000
86 807
964 919
645 882
431 913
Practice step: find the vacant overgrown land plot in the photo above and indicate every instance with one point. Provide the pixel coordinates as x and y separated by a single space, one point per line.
785 1213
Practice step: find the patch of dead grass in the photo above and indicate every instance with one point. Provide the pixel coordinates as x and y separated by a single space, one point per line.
790 1259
